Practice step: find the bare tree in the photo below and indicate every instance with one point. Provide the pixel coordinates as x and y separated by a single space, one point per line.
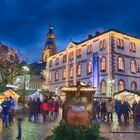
10 65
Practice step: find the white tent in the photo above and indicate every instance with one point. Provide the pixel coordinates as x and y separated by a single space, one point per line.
36 94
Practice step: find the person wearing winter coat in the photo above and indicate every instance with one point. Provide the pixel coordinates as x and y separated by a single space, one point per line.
20 110
133 110
110 109
103 110
118 109
11 109
55 110
137 113
126 110
5 112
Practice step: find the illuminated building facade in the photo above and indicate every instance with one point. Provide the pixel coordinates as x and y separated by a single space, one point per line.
108 61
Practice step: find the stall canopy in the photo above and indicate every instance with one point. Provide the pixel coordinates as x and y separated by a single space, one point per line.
36 94
128 95
11 93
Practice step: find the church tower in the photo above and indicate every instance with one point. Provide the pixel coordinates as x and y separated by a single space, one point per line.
50 45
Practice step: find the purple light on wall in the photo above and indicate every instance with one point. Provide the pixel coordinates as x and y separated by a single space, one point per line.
95 70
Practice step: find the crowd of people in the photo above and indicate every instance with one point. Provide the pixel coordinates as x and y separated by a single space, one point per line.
105 108
49 108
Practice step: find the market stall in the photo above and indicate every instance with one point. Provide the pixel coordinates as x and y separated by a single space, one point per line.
78 108
127 95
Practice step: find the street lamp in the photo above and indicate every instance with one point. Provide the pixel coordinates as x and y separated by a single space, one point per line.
25 72
112 86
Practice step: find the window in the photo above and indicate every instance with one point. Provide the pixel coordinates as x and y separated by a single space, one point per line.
89 49
103 87
64 73
102 44
132 47
103 64
57 61
121 85
79 70
78 53
120 43
133 67
71 71
133 85
120 63
89 67
64 58
50 63
71 56
50 77
56 75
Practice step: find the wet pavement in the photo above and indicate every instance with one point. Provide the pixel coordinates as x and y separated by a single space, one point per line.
38 131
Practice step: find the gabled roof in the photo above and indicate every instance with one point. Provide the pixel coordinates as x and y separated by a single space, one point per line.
105 33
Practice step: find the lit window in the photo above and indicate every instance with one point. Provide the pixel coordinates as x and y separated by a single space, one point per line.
102 64
120 43
120 63
79 69
133 66
89 49
64 58
71 55
50 77
102 44
121 85
56 75
89 67
57 61
103 87
134 86
132 47
64 73
78 53
71 71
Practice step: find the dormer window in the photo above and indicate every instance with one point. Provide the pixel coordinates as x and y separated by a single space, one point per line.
57 61
71 56
78 53
102 44
64 58
132 47
120 43
89 49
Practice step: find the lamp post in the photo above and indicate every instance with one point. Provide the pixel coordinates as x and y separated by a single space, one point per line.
25 72
112 86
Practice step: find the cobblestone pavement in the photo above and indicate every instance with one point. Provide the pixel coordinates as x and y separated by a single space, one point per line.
38 131
115 131
30 130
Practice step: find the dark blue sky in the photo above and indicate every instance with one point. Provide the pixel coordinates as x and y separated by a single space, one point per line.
24 23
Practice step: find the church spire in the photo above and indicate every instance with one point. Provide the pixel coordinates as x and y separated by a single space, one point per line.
50 45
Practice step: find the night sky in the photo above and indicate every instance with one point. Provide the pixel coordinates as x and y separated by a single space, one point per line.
24 23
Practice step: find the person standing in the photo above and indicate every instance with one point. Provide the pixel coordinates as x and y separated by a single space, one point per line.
11 109
45 109
118 109
133 110
31 105
137 113
103 110
110 109
55 110
126 110
20 110
5 108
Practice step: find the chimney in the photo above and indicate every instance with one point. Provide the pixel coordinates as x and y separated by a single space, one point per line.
97 33
90 36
